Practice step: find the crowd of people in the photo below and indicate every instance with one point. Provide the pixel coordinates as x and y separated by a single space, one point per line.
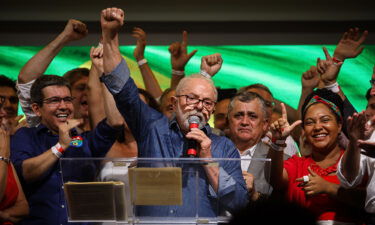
322 154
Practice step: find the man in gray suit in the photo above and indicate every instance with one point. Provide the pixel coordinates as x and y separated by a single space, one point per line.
248 120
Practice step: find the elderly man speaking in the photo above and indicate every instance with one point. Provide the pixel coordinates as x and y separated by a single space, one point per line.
160 138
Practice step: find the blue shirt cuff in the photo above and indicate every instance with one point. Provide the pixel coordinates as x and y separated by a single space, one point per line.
226 184
116 79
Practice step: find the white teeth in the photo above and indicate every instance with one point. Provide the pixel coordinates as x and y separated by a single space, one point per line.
320 135
62 115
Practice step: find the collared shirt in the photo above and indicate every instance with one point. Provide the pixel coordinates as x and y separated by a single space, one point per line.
46 195
157 137
247 154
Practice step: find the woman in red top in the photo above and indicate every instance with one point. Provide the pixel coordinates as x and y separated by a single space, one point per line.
13 204
311 181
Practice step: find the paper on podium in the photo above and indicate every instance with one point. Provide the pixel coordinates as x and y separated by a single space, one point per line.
96 201
156 186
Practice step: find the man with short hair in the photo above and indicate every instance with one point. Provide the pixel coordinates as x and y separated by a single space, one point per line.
38 64
269 101
10 108
159 137
248 121
36 150
9 93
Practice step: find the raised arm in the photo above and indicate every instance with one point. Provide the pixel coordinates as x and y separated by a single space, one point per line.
37 65
351 159
179 59
329 70
350 45
149 79
280 130
101 102
211 64
111 21
95 96
310 80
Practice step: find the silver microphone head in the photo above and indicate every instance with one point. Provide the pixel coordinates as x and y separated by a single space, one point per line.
194 119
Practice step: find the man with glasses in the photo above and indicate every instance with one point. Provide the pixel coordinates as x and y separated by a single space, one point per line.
9 94
36 150
159 137
8 91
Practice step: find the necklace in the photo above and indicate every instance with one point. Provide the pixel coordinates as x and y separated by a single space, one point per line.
326 171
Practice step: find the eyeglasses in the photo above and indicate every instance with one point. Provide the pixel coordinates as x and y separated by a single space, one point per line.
372 82
55 101
191 100
12 99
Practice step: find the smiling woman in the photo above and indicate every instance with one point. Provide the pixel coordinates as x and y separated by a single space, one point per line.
311 181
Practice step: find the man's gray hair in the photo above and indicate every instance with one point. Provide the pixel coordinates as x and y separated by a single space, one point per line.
185 80
247 97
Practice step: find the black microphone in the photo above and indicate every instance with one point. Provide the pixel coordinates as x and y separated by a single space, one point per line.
192 144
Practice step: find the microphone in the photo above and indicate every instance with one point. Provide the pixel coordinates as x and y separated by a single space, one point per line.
192 144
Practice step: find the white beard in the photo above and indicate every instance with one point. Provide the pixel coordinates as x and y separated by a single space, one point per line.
184 117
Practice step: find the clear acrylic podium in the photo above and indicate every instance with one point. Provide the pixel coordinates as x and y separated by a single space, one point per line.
156 190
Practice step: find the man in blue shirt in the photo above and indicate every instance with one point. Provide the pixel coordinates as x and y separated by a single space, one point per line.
158 137
36 150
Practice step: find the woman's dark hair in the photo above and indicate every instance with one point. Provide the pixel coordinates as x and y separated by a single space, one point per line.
328 95
36 92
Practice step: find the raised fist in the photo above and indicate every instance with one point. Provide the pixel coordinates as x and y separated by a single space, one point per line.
211 63
310 79
96 56
111 20
140 35
75 30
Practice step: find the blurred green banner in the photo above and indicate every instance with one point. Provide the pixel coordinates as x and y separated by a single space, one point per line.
278 66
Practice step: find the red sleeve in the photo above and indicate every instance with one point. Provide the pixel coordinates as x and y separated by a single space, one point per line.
11 190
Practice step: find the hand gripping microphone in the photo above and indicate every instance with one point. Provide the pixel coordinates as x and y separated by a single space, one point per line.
192 144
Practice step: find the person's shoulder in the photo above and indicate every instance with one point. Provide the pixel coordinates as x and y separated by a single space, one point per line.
23 136
21 132
220 139
223 147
